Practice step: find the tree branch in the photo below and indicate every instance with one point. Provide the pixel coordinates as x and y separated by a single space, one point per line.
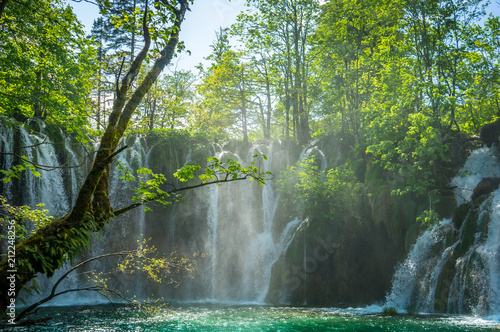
53 293
177 190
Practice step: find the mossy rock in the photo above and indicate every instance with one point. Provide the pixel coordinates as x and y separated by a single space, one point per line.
445 279
460 214
469 229
407 210
485 187
412 234
446 205
373 173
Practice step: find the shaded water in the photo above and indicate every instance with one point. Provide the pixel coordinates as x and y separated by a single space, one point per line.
249 318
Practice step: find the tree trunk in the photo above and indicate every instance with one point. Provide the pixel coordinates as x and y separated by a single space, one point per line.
267 133
243 105
37 93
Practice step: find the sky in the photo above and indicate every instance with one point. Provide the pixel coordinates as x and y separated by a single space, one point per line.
197 31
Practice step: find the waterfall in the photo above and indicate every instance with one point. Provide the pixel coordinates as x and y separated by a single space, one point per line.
6 145
490 252
239 240
49 187
242 241
454 266
212 222
233 225
414 278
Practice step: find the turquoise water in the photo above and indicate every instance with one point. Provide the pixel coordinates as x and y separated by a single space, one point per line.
247 318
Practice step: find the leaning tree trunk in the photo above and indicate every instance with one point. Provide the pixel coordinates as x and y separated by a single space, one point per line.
45 251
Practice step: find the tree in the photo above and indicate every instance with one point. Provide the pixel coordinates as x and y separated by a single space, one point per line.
167 103
262 57
45 64
286 28
226 85
122 23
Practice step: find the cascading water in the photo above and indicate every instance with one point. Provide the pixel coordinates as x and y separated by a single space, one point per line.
241 240
454 266
6 139
235 230
136 156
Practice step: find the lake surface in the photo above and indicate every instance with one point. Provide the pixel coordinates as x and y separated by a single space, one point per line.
248 318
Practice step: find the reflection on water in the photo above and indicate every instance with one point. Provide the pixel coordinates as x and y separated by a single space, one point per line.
248 318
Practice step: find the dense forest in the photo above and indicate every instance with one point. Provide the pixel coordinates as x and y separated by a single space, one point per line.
402 87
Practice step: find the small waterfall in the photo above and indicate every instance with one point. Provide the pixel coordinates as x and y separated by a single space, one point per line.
454 266
490 252
213 220
136 156
6 160
242 241
413 280
49 187
313 150
52 191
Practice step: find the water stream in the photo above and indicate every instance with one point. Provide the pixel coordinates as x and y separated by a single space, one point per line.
465 253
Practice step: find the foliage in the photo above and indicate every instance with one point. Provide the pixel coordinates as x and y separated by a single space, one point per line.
225 91
26 220
16 170
45 64
415 156
151 187
308 191
157 268
428 218
402 76
218 171
144 259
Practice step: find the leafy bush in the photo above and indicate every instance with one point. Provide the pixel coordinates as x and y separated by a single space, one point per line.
307 190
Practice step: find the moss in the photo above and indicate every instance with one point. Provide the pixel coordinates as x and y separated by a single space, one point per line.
295 253
373 173
390 311
446 204
407 209
468 230
460 214
443 286
412 234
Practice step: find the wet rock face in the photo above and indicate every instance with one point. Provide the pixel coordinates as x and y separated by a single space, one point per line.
490 133
486 186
